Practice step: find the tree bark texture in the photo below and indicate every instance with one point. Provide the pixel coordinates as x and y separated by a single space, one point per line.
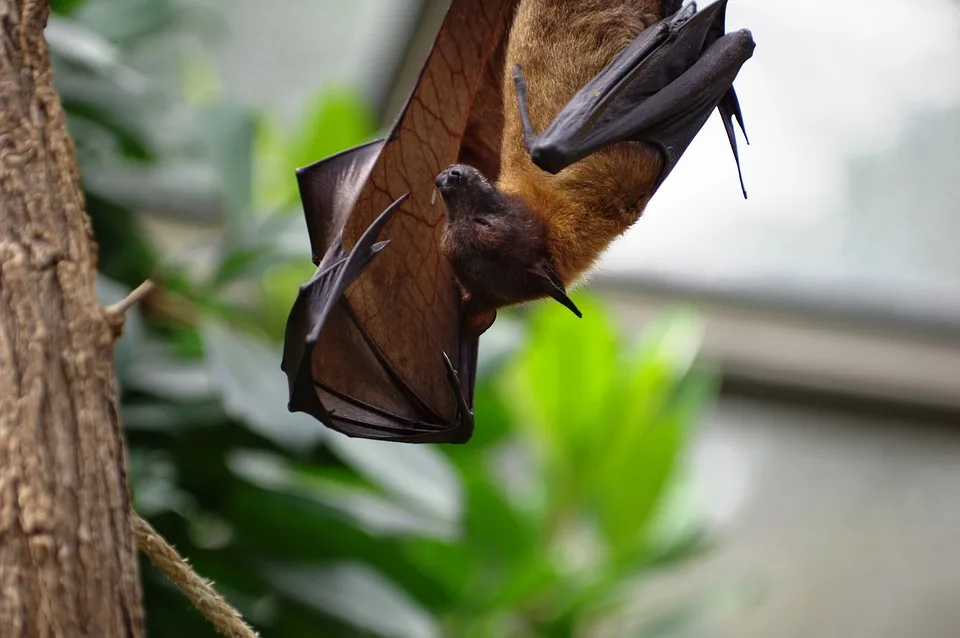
68 564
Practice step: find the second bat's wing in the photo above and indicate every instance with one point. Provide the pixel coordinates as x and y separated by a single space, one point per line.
660 90
377 344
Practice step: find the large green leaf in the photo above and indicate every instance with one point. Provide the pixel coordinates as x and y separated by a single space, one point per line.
227 132
253 389
419 475
129 22
82 46
559 388
358 595
649 430
334 121
375 513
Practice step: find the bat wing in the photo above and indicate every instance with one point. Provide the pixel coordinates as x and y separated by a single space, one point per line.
660 90
377 345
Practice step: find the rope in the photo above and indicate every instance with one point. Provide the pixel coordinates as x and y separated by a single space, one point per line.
200 592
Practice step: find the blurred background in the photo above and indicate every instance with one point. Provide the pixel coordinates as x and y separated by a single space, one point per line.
752 433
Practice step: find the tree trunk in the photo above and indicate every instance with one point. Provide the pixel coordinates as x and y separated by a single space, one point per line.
68 564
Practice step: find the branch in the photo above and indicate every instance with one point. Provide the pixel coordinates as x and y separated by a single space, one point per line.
138 293
116 312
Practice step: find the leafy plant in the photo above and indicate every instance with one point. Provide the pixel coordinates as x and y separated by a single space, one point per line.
576 487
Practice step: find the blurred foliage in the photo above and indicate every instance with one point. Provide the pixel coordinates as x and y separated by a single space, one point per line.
566 499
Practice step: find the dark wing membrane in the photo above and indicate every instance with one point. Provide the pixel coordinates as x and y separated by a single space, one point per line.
660 90
329 190
321 316
482 139
375 347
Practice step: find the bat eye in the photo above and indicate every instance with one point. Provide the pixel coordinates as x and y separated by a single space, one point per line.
481 221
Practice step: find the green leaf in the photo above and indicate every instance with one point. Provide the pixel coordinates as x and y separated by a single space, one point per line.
129 21
378 515
158 371
358 595
279 287
153 478
254 390
78 44
242 262
65 7
451 568
650 429
227 131
418 475
560 385
172 417
295 530
336 120
125 255
124 128
198 77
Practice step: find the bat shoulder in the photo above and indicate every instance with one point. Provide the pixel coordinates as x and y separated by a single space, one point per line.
587 205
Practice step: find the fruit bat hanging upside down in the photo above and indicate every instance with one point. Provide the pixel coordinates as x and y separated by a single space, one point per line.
382 341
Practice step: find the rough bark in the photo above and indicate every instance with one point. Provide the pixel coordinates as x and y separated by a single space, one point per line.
67 557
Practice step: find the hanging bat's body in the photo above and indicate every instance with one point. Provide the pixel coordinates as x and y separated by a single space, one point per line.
382 342
620 88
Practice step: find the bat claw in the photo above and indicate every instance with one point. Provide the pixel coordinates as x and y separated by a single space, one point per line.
520 84
454 378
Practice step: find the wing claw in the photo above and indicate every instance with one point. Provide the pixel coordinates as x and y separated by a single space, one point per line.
466 413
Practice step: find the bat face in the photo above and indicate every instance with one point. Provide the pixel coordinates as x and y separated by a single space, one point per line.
376 343
491 240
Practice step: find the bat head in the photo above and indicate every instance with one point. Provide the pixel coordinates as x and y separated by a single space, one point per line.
480 216
495 245
468 195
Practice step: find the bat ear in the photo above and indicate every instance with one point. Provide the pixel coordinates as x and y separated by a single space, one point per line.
551 284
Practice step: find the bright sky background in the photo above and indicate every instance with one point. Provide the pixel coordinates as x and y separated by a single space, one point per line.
828 80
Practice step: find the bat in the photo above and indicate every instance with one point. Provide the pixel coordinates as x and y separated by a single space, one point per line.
377 344
382 342
619 88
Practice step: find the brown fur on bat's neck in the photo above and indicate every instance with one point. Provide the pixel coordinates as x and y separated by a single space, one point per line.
561 46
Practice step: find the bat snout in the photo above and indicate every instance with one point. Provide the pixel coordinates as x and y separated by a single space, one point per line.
458 176
450 179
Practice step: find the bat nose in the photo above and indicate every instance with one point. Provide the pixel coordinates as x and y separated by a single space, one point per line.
450 178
